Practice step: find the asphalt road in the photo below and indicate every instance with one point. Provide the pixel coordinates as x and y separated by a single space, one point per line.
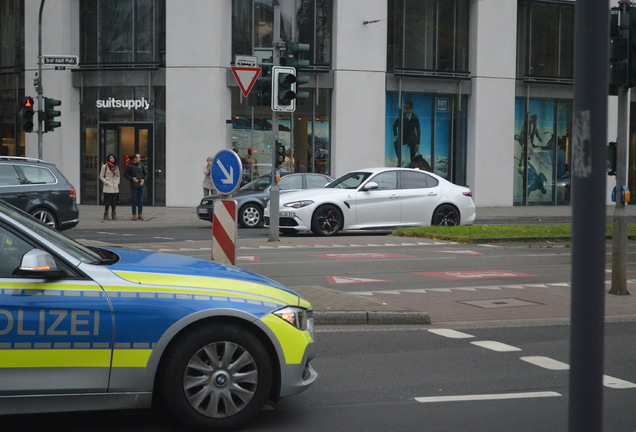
479 379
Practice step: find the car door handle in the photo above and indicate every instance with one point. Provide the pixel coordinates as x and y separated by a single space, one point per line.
431 194
394 196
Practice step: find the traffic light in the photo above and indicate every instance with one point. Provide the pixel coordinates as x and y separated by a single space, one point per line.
50 113
293 53
618 54
280 154
284 89
26 114
261 94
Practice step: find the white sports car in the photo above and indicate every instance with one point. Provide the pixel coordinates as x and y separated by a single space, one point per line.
376 198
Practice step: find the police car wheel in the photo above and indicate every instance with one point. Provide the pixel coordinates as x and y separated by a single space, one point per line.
216 377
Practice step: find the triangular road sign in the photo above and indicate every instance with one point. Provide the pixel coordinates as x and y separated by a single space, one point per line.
246 77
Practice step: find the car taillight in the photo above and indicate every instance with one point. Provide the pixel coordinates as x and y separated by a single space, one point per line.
72 193
468 194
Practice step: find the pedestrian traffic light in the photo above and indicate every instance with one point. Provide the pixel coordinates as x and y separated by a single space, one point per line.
294 52
50 114
261 94
26 114
280 154
284 89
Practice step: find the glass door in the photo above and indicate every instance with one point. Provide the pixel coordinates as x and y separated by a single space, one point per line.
124 141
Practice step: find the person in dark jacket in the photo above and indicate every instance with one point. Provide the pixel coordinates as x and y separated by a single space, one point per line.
406 130
136 173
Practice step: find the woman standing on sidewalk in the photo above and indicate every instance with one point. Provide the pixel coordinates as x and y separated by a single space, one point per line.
110 177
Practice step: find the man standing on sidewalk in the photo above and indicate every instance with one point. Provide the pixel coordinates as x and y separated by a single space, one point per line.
136 173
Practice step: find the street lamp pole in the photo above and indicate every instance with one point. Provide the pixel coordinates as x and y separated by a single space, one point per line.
38 84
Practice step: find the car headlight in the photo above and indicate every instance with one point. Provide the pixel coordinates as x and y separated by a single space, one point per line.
302 319
298 204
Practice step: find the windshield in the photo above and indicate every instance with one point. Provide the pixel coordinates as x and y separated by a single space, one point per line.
69 246
349 181
259 184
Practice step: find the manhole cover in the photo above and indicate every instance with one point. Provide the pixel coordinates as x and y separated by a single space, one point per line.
500 303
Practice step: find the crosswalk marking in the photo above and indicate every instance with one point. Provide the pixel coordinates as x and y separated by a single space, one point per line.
483 397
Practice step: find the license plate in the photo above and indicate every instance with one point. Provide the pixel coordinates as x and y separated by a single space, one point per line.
202 211
286 214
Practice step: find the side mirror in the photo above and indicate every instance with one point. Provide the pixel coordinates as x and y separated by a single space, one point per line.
38 263
370 185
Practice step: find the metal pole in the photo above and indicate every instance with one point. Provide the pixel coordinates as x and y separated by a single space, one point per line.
620 227
38 88
274 190
589 156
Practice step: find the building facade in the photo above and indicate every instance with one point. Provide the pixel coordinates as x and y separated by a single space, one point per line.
479 90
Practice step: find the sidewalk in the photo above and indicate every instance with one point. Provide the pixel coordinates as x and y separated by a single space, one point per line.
535 303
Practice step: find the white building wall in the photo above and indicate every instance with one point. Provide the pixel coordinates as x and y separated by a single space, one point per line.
359 95
493 36
60 30
198 101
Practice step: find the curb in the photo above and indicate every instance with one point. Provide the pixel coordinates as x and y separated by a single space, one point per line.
370 318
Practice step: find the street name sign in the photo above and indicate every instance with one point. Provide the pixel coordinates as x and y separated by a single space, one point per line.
61 60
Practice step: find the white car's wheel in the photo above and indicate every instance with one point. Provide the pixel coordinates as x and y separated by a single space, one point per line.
326 220
446 215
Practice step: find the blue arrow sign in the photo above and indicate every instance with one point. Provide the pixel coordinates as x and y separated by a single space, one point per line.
227 171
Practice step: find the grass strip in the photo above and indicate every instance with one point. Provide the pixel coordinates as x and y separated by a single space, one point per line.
472 233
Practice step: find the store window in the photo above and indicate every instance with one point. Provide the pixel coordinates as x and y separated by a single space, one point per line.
428 35
122 32
11 76
427 131
304 21
305 134
545 40
542 151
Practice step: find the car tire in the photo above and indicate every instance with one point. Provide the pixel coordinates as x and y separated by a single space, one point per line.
250 216
215 377
45 216
326 220
445 215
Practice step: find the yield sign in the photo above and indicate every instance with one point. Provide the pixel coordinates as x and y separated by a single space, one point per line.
246 77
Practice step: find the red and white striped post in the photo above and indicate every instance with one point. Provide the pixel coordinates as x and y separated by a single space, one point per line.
224 231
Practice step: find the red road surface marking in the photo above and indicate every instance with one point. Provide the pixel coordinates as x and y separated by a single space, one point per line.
355 256
474 274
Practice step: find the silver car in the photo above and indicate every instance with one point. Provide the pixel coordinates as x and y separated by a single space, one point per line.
252 198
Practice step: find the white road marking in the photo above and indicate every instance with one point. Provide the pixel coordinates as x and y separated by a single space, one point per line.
487 397
546 363
616 383
496 346
453 334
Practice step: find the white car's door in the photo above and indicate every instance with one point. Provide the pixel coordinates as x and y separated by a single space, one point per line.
420 195
380 206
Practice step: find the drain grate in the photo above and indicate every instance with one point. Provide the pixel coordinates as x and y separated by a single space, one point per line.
500 303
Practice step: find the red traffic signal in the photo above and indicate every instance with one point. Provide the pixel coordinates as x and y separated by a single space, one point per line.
27 113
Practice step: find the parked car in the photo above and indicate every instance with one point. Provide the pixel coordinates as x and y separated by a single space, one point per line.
252 198
376 198
39 188
113 328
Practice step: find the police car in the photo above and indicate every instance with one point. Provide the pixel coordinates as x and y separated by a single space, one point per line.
108 328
